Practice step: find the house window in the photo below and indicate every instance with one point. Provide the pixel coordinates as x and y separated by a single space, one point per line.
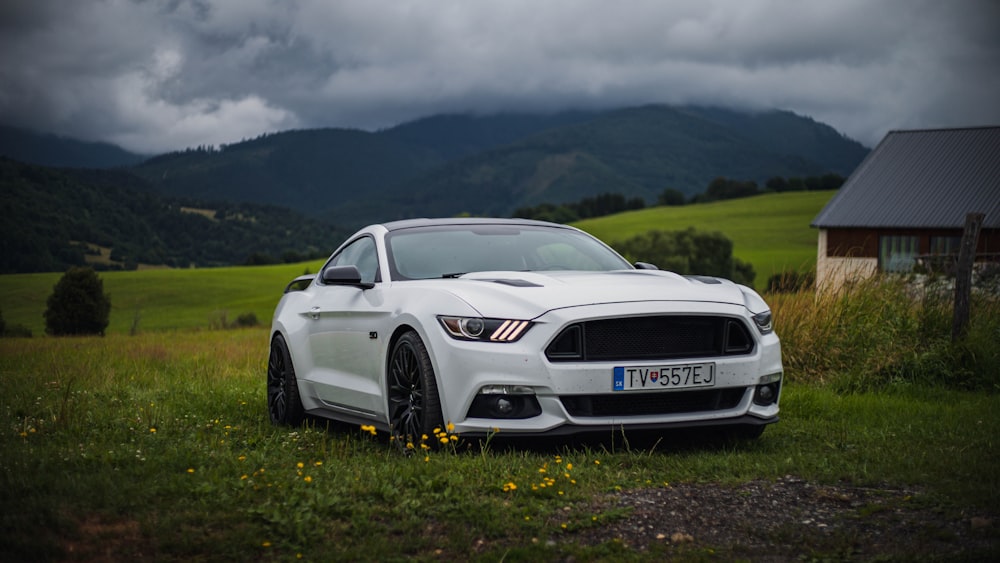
942 246
897 253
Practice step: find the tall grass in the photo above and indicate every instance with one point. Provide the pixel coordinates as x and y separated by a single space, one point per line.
887 330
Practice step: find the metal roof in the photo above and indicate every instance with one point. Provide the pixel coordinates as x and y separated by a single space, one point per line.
929 178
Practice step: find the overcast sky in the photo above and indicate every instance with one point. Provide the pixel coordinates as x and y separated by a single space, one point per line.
154 76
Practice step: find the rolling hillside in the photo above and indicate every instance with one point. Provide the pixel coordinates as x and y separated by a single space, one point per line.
56 218
772 232
50 150
491 165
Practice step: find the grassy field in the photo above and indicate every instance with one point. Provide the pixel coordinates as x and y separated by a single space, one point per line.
161 299
158 447
771 231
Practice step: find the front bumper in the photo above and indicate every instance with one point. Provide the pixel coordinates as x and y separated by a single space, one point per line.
565 392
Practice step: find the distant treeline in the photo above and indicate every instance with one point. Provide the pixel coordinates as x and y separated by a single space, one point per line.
718 189
107 219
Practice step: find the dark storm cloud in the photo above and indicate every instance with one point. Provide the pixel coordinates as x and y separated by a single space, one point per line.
156 76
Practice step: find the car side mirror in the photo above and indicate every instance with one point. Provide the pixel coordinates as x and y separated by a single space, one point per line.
345 275
645 266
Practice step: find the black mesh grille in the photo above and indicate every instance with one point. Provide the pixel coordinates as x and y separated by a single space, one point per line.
639 404
651 338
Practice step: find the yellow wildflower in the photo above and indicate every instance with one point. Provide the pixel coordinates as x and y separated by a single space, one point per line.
307 479
450 427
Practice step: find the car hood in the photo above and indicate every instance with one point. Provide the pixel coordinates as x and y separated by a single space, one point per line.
528 295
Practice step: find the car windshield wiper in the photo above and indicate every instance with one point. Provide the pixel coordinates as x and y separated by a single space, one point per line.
454 275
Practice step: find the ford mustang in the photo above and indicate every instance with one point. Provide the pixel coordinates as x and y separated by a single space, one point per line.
525 328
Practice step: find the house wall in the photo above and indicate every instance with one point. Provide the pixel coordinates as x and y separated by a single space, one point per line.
852 254
833 269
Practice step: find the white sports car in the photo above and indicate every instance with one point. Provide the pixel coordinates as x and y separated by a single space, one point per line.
521 327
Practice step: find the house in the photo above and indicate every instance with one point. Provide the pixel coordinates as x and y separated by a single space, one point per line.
907 202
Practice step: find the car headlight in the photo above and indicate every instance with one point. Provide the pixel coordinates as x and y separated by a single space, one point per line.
764 322
486 330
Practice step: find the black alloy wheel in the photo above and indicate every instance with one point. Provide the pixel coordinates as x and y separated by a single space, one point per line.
414 406
283 402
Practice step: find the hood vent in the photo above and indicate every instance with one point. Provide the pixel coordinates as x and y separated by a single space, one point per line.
516 283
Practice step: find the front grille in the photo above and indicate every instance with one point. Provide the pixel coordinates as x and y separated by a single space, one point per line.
665 337
639 404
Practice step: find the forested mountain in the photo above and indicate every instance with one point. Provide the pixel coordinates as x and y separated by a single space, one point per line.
51 150
53 219
154 212
490 165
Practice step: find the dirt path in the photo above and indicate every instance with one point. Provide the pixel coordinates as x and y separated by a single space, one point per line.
791 519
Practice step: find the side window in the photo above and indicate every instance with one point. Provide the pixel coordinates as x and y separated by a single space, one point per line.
360 253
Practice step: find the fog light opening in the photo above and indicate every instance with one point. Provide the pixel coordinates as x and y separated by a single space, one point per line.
766 394
505 402
503 406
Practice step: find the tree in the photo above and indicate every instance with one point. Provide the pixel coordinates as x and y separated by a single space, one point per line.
78 304
671 196
688 252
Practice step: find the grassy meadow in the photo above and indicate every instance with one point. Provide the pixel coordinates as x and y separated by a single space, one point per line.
770 231
161 299
157 445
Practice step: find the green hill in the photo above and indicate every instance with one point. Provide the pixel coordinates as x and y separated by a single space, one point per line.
771 231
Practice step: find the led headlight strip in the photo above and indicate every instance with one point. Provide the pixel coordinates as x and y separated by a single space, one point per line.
509 331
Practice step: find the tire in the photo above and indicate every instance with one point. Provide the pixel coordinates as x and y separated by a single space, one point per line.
414 405
283 401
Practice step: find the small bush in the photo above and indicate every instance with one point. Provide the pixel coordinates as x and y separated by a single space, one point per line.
247 320
791 281
78 304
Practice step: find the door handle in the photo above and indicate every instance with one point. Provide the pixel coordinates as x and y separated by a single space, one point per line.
314 313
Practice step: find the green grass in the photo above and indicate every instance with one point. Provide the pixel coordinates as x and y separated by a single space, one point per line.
162 299
158 447
771 232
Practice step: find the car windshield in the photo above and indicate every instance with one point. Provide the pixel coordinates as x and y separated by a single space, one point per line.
453 250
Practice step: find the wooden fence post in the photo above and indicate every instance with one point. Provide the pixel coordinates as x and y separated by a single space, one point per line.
963 274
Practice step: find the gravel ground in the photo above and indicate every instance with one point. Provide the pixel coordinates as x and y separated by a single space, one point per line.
792 520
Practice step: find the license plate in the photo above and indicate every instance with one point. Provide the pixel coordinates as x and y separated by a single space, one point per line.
680 376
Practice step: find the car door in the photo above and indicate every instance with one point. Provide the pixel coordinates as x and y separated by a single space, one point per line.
343 326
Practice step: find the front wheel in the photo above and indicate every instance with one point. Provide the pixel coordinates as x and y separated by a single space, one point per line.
414 406
283 402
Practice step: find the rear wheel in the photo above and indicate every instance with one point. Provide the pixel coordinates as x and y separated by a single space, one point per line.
414 406
283 402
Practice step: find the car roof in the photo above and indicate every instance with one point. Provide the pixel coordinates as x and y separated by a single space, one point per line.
412 223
